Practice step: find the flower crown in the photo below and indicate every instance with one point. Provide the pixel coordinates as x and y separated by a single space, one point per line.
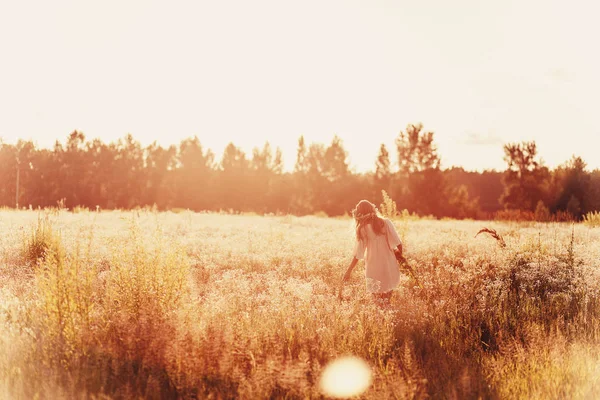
363 217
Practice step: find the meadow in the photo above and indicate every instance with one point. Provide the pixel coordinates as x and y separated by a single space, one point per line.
160 305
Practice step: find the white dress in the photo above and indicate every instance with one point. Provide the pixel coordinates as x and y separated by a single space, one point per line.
381 267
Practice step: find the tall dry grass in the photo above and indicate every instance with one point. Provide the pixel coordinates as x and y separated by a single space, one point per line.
184 305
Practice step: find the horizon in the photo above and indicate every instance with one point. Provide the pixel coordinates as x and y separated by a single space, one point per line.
477 75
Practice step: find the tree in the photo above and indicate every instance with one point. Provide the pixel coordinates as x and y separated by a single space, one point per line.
542 213
195 176
234 182
128 173
17 173
383 171
334 162
261 159
262 174
300 201
421 182
572 184
525 180
73 170
301 157
322 178
42 183
100 161
336 171
277 166
593 197
315 186
416 150
486 186
7 166
160 169
279 194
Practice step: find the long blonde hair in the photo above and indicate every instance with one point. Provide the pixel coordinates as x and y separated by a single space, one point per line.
366 213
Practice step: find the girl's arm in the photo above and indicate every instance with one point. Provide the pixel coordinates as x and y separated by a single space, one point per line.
350 268
398 253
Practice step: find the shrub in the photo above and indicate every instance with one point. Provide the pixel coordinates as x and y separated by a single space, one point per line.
66 303
563 216
320 214
592 219
542 213
388 207
514 215
40 242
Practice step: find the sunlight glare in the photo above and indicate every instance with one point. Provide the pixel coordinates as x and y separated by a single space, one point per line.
346 377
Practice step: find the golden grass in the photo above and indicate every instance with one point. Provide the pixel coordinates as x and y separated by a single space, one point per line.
185 305
592 219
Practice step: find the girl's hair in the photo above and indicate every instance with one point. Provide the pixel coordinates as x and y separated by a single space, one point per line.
365 213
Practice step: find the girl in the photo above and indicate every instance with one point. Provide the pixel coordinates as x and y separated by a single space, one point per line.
379 238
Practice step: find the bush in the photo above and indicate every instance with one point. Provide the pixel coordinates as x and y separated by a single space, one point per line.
542 213
40 242
592 219
514 215
563 216
388 207
320 214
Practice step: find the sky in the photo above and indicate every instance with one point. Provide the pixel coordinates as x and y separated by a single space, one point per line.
477 73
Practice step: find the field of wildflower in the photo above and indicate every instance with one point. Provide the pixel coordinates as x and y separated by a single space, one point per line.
161 305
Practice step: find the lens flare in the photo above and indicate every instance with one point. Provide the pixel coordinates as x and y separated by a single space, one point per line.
346 377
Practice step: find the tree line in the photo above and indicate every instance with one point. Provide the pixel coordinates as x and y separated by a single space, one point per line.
125 175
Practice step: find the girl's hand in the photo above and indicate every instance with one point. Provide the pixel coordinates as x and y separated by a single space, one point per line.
398 255
349 270
346 276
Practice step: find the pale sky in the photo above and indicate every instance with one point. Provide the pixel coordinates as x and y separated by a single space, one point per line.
479 73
